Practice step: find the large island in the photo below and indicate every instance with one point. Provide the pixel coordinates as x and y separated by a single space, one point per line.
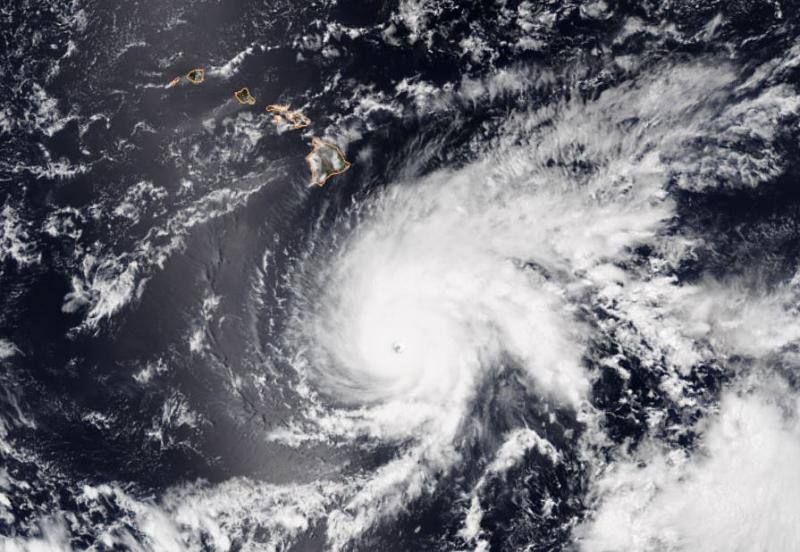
326 160
284 118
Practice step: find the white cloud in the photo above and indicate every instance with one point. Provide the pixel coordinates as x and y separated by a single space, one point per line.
739 491
412 306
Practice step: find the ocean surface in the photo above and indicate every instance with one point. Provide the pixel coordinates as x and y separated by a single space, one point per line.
553 304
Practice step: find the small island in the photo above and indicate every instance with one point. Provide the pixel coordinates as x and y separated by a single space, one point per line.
284 117
196 76
244 97
174 82
298 120
326 160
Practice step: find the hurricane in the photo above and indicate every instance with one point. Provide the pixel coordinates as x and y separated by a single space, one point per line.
401 276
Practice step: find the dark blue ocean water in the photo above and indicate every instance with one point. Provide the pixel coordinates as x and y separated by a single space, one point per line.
135 220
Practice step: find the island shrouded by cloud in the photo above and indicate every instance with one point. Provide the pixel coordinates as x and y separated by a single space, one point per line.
403 275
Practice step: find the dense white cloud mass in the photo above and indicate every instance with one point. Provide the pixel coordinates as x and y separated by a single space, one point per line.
403 314
739 491
543 257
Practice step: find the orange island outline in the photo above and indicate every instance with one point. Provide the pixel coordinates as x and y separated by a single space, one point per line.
322 169
283 114
317 179
196 76
244 97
